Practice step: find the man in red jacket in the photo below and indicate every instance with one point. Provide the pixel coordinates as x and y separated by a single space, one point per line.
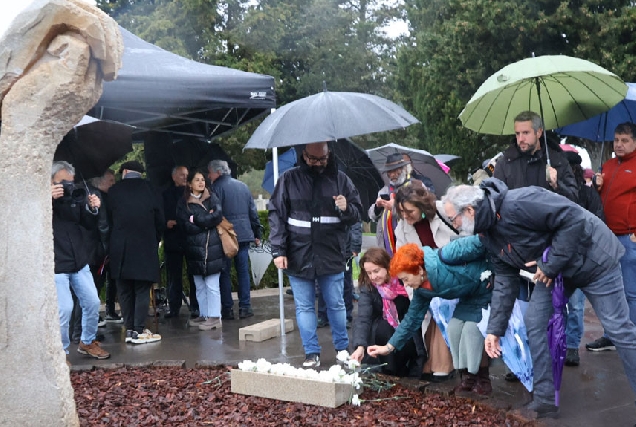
617 187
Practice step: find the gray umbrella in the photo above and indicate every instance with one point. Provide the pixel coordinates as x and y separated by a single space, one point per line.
329 116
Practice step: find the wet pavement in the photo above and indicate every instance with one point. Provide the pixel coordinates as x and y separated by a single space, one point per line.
596 393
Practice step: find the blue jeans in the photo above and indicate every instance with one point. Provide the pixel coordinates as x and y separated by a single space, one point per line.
84 288
241 263
348 295
628 268
208 295
607 297
332 288
574 319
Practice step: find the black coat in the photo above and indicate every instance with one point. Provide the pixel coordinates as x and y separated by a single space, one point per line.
305 225
98 238
136 213
516 226
370 311
174 239
204 251
71 221
518 170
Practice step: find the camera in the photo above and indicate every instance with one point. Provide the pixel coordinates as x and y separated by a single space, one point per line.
73 193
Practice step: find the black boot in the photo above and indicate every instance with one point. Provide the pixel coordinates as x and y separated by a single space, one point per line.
468 381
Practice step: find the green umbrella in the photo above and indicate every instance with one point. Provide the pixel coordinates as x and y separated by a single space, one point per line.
562 89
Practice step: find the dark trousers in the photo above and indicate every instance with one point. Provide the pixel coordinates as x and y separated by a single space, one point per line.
134 300
348 295
174 273
241 263
408 361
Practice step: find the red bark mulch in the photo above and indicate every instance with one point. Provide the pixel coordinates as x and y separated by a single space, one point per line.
201 397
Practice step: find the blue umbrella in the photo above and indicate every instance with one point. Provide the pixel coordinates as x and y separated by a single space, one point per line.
556 331
601 128
442 311
515 348
286 161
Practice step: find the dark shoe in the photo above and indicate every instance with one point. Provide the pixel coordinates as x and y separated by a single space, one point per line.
349 323
544 410
194 313
483 386
468 381
101 322
572 357
245 313
322 323
511 378
601 344
114 318
76 340
289 292
171 314
227 314
312 361
437 377
130 335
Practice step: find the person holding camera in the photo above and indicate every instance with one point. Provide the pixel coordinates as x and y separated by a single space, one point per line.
74 210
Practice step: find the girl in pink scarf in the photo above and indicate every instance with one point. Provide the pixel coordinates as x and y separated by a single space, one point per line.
383 302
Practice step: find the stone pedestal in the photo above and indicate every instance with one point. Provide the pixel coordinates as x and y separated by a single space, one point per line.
264 330
290 389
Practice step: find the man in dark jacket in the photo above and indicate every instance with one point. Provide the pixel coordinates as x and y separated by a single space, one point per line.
74 211
309 212
239 208
174 238
516 226
136 213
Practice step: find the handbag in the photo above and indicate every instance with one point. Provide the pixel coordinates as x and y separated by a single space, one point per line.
229 239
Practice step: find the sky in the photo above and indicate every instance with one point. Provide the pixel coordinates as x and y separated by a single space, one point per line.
9 9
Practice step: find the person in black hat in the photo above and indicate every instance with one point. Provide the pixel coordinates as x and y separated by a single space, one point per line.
136 211
396 169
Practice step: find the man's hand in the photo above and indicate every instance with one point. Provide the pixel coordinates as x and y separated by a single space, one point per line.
385 204
171 223
358 354
378 350
257 242
598 180
280 262
492 346
57 191
552 176
341 202
539 276
93 201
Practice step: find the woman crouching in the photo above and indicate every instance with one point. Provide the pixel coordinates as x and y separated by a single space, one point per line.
453 271
382 305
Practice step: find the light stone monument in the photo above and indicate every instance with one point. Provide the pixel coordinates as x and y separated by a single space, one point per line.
53 60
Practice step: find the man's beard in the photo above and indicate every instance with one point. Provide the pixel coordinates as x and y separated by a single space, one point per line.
317 169
468 226
400 179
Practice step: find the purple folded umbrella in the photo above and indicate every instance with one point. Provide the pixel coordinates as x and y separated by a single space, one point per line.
556 331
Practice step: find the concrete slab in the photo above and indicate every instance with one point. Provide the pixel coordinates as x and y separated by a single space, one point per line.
265 330
290 389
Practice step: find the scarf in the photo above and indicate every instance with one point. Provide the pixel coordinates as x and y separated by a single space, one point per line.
389 222
388 292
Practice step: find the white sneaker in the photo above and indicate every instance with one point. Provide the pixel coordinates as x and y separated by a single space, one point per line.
146 337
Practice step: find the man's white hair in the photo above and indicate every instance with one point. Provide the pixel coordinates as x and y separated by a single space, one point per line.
60 166
462 196
219 166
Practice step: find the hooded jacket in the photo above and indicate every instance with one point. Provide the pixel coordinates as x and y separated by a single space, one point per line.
517 170
516 226
204 250
305 225
454 271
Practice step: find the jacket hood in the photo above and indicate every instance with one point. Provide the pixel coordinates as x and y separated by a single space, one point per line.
486 213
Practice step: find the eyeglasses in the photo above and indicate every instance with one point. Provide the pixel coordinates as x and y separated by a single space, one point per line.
314 160
452 220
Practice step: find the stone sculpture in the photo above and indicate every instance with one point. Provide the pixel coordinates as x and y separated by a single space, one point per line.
53 60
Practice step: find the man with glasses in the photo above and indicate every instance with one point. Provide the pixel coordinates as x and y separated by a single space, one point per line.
310 211
617 187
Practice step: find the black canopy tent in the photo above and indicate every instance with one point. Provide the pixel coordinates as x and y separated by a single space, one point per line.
159 91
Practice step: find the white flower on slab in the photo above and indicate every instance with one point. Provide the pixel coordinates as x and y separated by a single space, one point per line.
485 275
353 364
263 366
342 356
247 365
355 400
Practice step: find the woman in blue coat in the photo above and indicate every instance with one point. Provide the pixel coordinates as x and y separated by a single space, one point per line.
453 271
198 213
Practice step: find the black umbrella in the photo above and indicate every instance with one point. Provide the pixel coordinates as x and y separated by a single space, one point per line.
355 162
92 146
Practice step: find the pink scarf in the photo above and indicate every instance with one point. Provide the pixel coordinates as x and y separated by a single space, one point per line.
388 292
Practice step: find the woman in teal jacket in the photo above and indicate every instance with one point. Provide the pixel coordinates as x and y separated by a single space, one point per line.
453 271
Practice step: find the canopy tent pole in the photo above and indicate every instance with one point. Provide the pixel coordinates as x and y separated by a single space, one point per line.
281 302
